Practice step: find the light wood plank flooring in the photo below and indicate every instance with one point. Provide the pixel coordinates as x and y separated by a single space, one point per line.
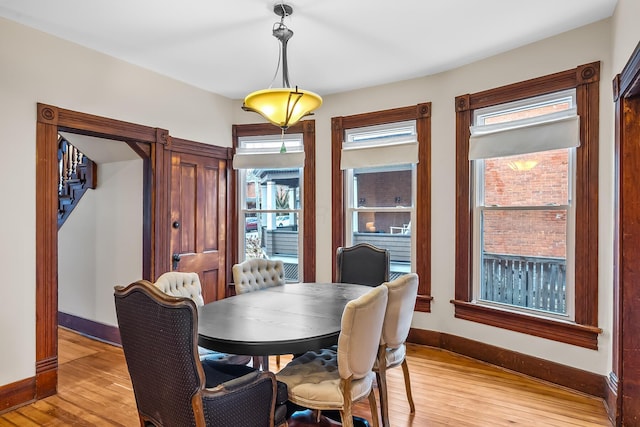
449 390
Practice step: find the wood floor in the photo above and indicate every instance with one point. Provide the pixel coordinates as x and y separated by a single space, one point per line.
449 390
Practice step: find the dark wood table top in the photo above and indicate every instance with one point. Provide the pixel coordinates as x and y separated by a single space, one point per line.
289 319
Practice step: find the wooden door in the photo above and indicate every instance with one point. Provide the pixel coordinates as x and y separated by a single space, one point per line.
198 218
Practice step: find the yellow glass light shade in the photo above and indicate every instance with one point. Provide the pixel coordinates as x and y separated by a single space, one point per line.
283 107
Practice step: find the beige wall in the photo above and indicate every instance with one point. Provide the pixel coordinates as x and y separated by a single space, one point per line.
626 32
568 50
35 67
100 244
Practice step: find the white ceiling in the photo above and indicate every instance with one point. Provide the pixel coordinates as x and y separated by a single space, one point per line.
339 45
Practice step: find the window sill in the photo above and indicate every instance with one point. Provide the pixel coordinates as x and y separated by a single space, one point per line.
423 303
557 330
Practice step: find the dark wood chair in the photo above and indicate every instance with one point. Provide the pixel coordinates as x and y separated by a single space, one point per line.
362 264
159 337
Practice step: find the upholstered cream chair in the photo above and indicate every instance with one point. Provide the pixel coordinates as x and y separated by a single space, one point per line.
397 322
334 380
257 273
187 285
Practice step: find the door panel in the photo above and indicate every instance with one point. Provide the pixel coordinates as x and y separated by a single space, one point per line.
198 214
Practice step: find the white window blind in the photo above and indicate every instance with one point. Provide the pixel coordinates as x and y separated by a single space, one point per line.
380 145
542 132
262 153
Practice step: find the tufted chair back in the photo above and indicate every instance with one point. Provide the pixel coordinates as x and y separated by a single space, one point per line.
360 333
180 284
254 274
362 264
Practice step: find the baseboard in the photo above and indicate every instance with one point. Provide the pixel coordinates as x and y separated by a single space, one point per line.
556 373
17 394
611 399
90 328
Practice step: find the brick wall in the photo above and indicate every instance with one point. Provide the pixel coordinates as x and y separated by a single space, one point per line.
384 189
532 233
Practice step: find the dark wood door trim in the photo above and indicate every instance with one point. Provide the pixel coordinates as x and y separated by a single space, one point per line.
623 398
148 143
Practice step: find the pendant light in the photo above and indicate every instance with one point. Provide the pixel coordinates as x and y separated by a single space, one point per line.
284 106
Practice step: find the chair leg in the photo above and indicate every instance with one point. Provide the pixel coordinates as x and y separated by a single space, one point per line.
278 360
381 378
407 385
374 408
346 418
346 415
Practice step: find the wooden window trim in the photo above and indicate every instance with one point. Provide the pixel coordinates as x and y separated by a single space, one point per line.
421 113
584 331
308 130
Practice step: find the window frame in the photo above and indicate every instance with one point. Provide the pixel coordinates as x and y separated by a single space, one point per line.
307 129
421 113
584 330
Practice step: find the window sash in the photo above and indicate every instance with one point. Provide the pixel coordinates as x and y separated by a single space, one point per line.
478 183
352 210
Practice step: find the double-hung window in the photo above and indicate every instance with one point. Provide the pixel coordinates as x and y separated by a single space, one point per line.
270 195
381 188
523 160
527 206
379 162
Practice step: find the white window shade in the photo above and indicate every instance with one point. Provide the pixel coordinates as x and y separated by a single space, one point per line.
379 155
560 130
268 160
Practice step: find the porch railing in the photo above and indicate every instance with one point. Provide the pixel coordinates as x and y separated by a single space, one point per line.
531 282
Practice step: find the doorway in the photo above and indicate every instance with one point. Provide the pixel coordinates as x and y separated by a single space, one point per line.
149 143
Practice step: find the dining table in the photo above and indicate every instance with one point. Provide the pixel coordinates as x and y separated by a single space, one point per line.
287 319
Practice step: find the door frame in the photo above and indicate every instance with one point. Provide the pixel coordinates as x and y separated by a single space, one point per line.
623 383
150 144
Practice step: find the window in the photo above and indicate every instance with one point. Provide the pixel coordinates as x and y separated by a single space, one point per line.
522 203
381 188
381 193
526 222
275 208
269 179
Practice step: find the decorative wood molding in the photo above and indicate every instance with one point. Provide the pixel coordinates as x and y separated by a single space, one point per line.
566 332
462 103
623 403
17 394
307 129
588 73
563 375
50 120
611 399
585 80
421 113
47 114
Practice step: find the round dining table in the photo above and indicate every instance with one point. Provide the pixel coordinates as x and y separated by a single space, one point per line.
288 319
